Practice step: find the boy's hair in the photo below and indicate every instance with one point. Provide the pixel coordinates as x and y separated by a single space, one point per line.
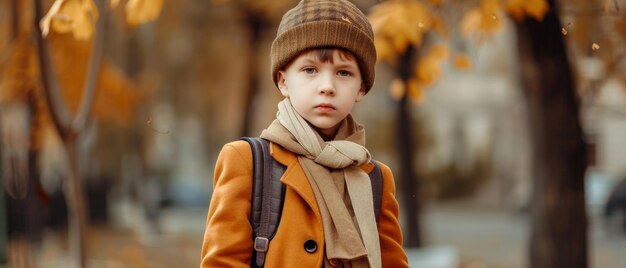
324 55
330 24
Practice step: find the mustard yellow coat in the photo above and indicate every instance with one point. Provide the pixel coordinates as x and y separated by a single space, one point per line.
228 235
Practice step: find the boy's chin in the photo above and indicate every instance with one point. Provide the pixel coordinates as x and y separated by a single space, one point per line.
324 126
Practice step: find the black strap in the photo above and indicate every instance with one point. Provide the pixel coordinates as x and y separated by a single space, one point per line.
268 196
376 177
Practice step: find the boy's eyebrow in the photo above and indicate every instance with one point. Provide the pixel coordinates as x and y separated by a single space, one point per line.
347 66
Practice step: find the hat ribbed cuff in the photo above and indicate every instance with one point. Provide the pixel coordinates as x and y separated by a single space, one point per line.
320 34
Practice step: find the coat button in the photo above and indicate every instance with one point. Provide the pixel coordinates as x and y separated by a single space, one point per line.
333 262
310 246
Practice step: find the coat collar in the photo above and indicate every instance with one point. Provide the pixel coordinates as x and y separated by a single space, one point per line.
294 176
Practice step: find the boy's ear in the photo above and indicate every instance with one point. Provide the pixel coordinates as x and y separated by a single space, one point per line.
282 86
361 93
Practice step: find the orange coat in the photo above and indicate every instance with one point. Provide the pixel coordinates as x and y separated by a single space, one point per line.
228 234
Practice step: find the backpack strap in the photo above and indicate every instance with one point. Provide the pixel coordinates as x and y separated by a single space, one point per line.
376 177
267 197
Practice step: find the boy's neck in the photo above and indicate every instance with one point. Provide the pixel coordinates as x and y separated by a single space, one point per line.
328 134
324 136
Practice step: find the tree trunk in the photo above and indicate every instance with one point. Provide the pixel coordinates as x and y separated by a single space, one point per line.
559 222
70 127
407 179
76 201
15 19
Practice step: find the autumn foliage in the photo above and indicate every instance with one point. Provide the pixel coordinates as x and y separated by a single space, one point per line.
399 24
79 16
64 81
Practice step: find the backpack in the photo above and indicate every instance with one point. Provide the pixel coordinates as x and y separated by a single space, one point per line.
268 196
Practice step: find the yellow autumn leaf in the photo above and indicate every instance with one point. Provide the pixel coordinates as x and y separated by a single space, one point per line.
75 16
515 8
415 91
536 8
428 71
44 24
400 43
462 62
400 23
377 20
114 89
440 26
519 9
142 11
85 26
595 46
440 51
429 66
471 22
385 51
70 71
490 10
482 21
397 89
381 13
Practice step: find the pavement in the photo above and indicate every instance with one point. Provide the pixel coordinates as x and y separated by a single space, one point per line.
498 238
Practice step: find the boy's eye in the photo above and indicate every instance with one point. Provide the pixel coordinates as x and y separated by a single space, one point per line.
309 70
344 73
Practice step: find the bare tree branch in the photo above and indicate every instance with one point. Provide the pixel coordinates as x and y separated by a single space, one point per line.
56 106
92 72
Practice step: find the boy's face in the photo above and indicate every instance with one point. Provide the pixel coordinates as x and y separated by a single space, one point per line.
323 93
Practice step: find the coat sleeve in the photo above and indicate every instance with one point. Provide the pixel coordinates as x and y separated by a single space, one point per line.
228 234
389 230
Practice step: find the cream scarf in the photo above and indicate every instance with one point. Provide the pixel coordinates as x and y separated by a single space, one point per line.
331 168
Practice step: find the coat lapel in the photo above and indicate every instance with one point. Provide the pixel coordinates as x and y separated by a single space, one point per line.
294 176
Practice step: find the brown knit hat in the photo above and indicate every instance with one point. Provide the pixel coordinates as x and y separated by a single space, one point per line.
325 23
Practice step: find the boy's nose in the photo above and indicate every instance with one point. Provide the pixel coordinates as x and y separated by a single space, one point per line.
327 86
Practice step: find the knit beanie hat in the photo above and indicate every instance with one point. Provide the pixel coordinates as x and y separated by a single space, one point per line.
325 24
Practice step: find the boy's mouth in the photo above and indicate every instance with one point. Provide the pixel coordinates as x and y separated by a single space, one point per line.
325 107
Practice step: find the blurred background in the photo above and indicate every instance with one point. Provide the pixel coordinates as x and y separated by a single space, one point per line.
504 122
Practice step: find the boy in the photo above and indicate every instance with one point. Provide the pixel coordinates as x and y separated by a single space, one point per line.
322 62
